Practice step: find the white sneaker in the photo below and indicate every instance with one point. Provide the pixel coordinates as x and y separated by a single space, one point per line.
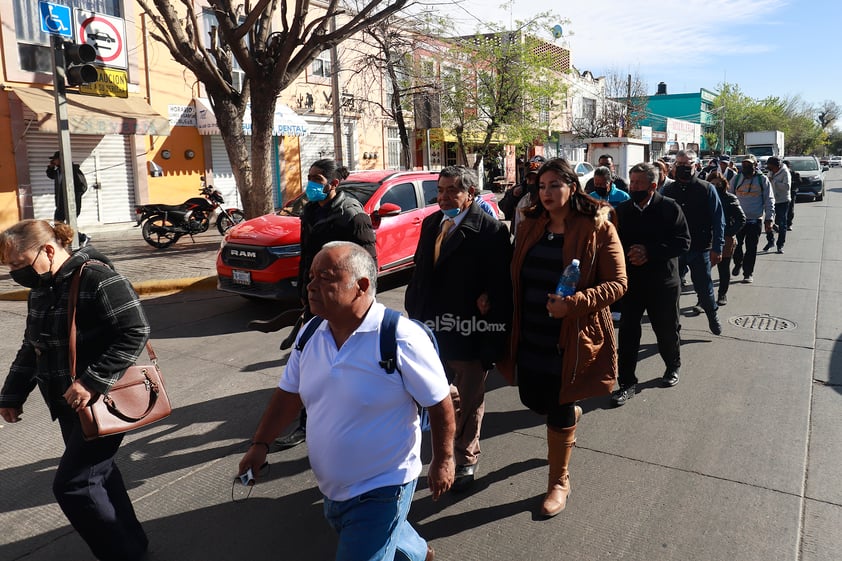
615 316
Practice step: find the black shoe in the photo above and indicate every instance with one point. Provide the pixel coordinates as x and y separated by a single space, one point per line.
736 270
780 250
789 228
748 279
84 239
670 377
621 396
769 245
291 440
464 478
714 325
722 300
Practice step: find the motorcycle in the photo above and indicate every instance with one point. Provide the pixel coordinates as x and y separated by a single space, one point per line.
163 225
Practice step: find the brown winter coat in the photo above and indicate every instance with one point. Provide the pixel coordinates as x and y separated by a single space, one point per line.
587 332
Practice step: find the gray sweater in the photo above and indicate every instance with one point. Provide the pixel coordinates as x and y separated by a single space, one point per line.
755 195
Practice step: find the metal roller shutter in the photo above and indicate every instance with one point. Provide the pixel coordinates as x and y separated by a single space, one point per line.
316 145
223 176
106 162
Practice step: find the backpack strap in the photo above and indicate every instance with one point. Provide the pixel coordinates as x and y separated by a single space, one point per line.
309 329
389 340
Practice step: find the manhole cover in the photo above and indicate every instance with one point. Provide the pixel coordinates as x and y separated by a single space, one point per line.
762 322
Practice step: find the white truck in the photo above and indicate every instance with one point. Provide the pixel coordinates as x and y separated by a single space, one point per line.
764 143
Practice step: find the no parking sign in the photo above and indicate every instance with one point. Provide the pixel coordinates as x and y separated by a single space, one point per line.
106 34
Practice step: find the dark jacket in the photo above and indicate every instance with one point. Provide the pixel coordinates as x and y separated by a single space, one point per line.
80 185
474 260
735 218
662 229
111 332
342 219
589 361
703 211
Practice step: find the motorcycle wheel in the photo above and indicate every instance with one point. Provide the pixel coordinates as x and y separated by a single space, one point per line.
223 223
157 233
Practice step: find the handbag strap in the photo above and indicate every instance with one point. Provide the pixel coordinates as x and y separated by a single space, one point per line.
72 299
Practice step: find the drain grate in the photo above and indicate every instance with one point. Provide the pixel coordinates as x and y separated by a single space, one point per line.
762 322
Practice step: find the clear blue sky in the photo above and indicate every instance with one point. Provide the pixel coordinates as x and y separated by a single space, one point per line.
766 47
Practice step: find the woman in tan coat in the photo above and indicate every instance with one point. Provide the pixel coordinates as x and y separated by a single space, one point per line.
564 349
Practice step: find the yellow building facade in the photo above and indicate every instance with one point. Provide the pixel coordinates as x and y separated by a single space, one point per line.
155 144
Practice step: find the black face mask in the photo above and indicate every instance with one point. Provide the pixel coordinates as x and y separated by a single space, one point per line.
601 191
639 196
29 278
684 173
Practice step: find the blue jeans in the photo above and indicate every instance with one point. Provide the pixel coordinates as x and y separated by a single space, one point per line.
373 526
699 264
782 221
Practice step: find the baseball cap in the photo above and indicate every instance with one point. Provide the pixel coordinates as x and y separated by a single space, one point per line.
750 158
724 158
55 156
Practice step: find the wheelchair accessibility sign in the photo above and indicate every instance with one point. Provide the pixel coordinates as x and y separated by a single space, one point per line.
55 19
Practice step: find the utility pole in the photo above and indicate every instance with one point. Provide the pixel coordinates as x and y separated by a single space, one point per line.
337 101
60 86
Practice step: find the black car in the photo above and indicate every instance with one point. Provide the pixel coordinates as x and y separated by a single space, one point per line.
812 175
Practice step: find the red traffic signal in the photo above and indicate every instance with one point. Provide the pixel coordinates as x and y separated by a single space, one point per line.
78 59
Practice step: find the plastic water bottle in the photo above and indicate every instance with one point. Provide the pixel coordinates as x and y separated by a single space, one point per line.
569 279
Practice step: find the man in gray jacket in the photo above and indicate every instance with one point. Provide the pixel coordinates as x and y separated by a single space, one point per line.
781 185
756 199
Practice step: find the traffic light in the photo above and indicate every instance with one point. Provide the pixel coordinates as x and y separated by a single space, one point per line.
78 59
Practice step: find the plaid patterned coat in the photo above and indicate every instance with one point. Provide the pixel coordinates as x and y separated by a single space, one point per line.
111 332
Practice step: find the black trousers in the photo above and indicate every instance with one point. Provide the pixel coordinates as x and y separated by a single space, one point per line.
750 234
91 493
661 304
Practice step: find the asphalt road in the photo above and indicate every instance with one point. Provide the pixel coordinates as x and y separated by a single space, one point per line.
739 462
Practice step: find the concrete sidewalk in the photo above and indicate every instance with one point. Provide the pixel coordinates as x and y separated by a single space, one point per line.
186 265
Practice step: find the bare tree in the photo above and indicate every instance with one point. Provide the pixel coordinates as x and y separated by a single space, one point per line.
273 42
390 61
827 114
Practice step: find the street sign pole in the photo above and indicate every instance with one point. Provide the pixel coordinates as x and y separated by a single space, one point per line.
62 119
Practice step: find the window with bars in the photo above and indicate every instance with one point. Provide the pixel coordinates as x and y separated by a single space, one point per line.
321 67
210 22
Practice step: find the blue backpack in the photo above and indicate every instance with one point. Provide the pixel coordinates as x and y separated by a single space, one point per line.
388 348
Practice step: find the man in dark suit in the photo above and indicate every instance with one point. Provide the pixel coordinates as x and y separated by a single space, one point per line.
461 288
654 234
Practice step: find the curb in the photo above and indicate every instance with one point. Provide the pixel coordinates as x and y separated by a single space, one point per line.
143 288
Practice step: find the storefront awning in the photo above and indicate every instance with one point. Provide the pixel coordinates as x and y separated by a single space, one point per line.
286 122
470 137
93 115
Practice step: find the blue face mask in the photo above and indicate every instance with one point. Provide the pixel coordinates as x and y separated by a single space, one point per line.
315 191
451 212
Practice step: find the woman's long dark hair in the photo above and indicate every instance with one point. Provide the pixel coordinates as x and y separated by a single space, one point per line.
580 202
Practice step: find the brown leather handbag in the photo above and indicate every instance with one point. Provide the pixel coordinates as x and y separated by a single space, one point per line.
137 399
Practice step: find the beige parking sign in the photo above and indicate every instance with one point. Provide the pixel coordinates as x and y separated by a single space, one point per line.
106 34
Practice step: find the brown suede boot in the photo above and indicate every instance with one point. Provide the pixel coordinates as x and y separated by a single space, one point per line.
559 448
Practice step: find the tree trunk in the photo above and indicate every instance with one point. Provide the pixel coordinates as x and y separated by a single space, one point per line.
230 122
263 102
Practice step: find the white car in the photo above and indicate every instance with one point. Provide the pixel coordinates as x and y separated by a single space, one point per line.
835 161
583 169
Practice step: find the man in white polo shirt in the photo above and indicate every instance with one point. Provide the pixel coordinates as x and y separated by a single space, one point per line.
363 434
